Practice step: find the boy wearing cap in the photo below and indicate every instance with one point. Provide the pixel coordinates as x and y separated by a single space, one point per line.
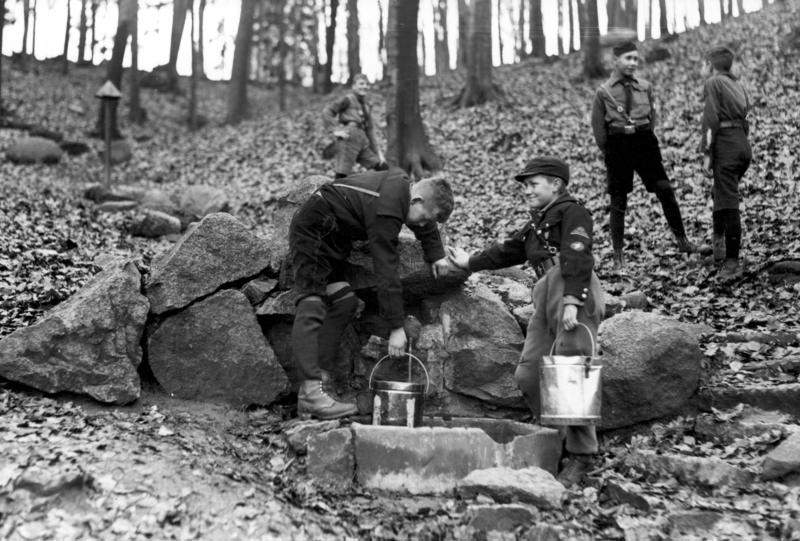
726 152
557 242
370 206
349 120
623 120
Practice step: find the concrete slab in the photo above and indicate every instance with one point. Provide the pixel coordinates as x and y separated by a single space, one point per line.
433 459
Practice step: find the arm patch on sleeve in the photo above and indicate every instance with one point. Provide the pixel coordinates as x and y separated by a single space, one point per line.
578 246
580 231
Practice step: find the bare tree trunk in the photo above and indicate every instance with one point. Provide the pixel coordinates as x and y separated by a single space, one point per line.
537 29
179 9
479 88
561 27
26 16
114 72
573 28
82 34
463 33
33 29
440 32
237 91
330 37
740 7
730 8
592 65
94 31
612 13
421 45
3 14
408 147
282 50
662 17
353 41
201 57
135 112
499 31
193 79
381 38
316 72
65 65
722 10
582 19
701 10
632 12
521 31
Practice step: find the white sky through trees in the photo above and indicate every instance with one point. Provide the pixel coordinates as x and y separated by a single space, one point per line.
221 20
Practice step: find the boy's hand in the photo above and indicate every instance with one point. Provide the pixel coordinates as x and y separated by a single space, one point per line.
397 342
458 257
441 268
570 318
340 133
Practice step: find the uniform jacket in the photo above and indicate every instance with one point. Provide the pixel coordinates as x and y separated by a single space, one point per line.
350 110
373 206
565 228
725 100
608 108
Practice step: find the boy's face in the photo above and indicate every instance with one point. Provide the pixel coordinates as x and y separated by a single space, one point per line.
706 70
627 63
360 87
541 190
420 213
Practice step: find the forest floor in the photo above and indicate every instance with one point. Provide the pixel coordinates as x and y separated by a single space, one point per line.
163 468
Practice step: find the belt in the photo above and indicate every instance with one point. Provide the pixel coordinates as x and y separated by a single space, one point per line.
626 130
732 124
545 265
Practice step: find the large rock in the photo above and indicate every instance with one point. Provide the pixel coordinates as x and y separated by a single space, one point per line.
34 150
651 366
219 250
153 224
215 350
199 200
784 459
483 342
690 470
89 344
529 485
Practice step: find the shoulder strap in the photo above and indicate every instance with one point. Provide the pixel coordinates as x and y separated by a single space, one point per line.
357 188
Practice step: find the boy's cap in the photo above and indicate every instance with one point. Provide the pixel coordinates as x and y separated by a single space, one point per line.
624 47
546 165
719 52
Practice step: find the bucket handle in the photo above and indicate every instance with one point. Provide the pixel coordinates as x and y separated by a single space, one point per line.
588 331
414 357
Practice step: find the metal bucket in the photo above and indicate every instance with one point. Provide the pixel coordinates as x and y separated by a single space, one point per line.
569 387
398 403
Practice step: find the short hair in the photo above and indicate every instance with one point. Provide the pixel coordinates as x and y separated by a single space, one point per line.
359 77
721 61
437 190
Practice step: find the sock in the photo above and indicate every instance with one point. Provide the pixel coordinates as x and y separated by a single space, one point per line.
671 211
340 313
733 233
619 204
308 320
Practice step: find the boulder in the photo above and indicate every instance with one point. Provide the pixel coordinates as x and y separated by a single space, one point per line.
34 150
530 485
651 367
199 201
153 224
483 342
298 432
784 459
89 344
219 250
215 350
502 517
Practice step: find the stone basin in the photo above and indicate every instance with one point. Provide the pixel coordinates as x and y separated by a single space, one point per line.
431 459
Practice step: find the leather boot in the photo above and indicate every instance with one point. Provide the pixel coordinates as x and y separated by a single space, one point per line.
314 401
731 269
619 261
685 245
574 469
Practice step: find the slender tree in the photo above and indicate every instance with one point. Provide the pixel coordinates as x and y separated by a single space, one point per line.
93 26
701 10
463 33
613 12
353 42
179 10
82 34
381 36
740 7
479 87
2 27
125 23
194 75
237 90
282 53
592 64
135 112
65 65
441 47
330 38
561 27
408 145
662 17
201 60
26 17
632 13
537 29
573 28
500 29
33 28
521 30
722 10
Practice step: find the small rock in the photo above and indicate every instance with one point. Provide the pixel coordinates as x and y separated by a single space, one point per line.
635 300
529 485
74 148
156 199
34 150
503 517
199 200
523 314
701 471
707 525
153 224
627 493
117 206
121 152
298 433
746 423
258 290
784 459
282 304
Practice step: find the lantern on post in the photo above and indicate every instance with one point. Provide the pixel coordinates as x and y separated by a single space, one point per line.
108 93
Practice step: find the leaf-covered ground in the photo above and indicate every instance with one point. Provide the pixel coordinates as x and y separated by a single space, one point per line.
51 239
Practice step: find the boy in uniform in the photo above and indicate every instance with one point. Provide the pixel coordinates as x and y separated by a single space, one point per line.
726 152
557 242
370 206
623 120
349 120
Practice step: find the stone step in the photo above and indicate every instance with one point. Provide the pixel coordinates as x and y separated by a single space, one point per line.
784 397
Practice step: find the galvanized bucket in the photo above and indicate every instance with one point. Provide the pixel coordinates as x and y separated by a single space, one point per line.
570 387
398 403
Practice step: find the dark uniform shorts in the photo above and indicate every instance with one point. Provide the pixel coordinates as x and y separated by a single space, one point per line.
730 160
317 250
637 152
